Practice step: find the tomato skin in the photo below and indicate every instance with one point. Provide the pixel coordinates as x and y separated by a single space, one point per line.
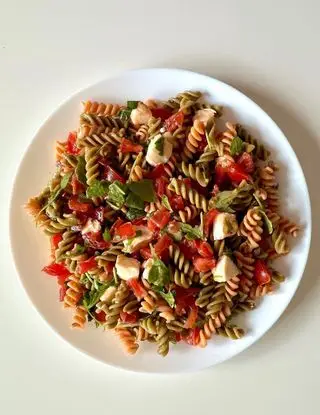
236 173
208 220
85 266
111 175
220 175
160 185
54 241
162 113
71 147
77 187
125 231
157 172
56 270
185 299
203 264
193 337
262 273
139 221
163 243
137 288
192 317
115 225
246 162
159 219
128 146
146 252
62 292
95 240
77 206
175 121
128 318
204 249
176 202
101 316
188 248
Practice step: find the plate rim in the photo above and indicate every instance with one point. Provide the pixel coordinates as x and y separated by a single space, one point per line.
307 215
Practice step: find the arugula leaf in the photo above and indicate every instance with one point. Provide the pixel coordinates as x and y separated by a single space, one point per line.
124 116
65 180
106 235
143 189
190 232
81 170
237 146
223 200
98 189
168 296
159 145
166 203
133 213
91 298
116 193
159 274
134 201
210 127
267 221
132 104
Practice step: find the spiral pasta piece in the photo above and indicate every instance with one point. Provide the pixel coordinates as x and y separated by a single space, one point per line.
196 173
187 214
150 325
208 155
251 227
154 127
189 194
233 332
180 261
142 133
187 96
118 302
79 317
65 245
99 108
92 167
162 339
74 291
280 242
231 288
194 139
206 332
128 339
227 138
288 227
113 137
101 120
259 149
217 302
205 295
180 278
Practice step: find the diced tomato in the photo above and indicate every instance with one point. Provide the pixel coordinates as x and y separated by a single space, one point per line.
137 288
77 187
77 206
163 243
204 248
208 220
175 121
157 172
203 264
56 270
109 267
146 252
159 219
139 221
54 241
188 248
262 273
236 173
125 231
176 202
71 146
128 318
192 317
111 175
178 337
115 225
246 162
85 266
160 185
162 113
193 337
95 240
220 175
101 316
226 168
187 181
62 292
128 146
185 299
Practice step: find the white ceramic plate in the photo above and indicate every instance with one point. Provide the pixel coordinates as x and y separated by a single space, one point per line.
31 248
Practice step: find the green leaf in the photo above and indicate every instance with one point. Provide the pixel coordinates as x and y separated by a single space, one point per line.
106 235
259 201
132 104
134 201
223 200
210 127
267 221
65 180
117 194
92 297
124 116
166 203
168 296
78 249
143 189
237 146
191 232
159 145
159 274
134 213
98 189
81 170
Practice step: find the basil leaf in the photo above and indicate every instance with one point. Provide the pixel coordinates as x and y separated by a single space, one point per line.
267 221
116 194
143 189
106 235
190 232
237 146
168 296
132 104
159 274
124 116
134 213
81 170
210 127
134 201
223 200
159 145
98 189
166 203
65 180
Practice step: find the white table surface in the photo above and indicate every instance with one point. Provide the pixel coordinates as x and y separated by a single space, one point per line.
51 49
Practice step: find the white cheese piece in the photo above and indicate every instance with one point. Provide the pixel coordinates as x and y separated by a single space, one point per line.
225 269
225 225
140 115
138 242
108 295
147 266
91 226
154 156
127 268
204 115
